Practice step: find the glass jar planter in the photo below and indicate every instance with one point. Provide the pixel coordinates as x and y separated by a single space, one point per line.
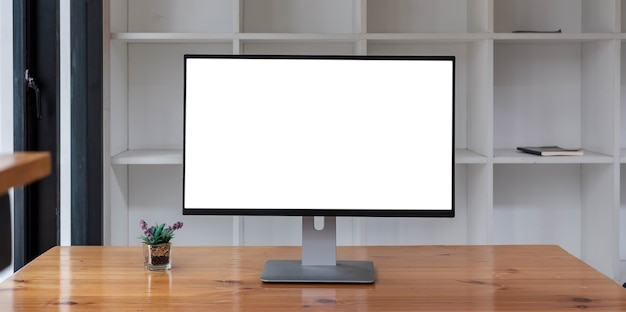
157 257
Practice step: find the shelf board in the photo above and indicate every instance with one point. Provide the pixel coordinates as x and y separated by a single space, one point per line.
426 37
149 37
165 157
622 158
513 156
307 37
154 37
148 157
465 156
553 37
175 157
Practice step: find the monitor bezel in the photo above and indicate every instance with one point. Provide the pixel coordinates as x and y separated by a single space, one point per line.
325 212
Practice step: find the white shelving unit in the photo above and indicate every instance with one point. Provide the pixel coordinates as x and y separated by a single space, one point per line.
513 89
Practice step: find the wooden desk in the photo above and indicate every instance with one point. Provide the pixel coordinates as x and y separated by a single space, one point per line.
22 168
16 170
428 278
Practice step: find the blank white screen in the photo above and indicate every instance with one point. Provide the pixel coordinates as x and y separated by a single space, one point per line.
318 134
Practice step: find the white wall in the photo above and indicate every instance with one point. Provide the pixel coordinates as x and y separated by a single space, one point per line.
6 88
6 76
65 123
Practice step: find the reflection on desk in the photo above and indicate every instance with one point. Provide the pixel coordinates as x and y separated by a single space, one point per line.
410 278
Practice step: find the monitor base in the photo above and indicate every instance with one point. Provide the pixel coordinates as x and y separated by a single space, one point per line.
292 271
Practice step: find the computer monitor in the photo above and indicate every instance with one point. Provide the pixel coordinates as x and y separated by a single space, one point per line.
322 136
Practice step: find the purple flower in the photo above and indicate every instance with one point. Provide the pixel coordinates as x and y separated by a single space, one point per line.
159 233
143 224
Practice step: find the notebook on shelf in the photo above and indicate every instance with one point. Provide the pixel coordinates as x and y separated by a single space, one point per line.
551 151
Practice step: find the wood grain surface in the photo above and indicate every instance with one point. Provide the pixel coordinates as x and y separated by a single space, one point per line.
409 278
21 168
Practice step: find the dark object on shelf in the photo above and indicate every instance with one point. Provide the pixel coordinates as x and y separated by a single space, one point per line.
558 31
551 151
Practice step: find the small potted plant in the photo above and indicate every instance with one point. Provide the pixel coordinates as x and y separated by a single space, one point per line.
157 249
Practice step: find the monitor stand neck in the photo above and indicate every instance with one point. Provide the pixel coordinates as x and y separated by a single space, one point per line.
319 246
319 260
